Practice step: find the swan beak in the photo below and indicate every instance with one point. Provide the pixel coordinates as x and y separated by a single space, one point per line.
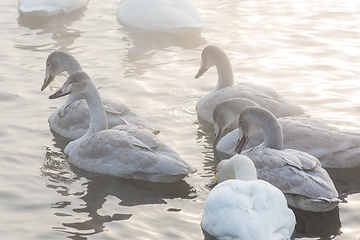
65 90
218 133
47 81
241 144
201 71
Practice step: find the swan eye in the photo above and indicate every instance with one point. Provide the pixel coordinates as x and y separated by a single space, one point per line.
48 64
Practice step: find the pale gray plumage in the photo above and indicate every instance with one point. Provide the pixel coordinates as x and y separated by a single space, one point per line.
225 89
72 119
297 174
333 147
125 151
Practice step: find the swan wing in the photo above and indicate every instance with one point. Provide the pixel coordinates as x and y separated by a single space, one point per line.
144 135
335 149
118 112
72 121
293 172
278 107
118 153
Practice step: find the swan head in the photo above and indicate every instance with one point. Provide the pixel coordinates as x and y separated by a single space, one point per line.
53 68
226 112
237 167
209 56
222 118
248 124
77 82
56 63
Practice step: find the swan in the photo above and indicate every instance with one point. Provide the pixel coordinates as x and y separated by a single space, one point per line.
71 120
298 175
126 151
172 16
225 89
245 208
333 148
49 7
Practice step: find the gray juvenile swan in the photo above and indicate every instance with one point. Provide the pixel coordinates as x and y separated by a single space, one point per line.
333 148
297 174
72 119
244 207
225 89
125 151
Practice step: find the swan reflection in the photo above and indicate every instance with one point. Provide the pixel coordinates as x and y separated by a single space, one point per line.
84 194
58 25
143 46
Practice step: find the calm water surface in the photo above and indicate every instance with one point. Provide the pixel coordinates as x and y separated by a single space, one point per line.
308 50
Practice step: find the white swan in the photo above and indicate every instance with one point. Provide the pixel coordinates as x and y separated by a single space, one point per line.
72 119
225 89
246 208
173 16
49 7
297 174
333 148
125 150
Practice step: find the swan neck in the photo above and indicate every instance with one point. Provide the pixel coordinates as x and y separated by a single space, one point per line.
98 121
273 135
225 72
70 64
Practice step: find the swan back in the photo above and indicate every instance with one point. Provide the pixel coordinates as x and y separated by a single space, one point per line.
130 152
249 209
173 16
48 7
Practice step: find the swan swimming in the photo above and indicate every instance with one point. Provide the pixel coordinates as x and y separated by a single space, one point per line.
125 151
225 89
72 119
298 175
172 16
50 7
246 208
333 148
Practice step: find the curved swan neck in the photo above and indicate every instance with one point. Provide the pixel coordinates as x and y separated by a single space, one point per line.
224 70
273 136
68 63
98 121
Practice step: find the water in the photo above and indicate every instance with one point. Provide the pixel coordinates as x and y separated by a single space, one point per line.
307 50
